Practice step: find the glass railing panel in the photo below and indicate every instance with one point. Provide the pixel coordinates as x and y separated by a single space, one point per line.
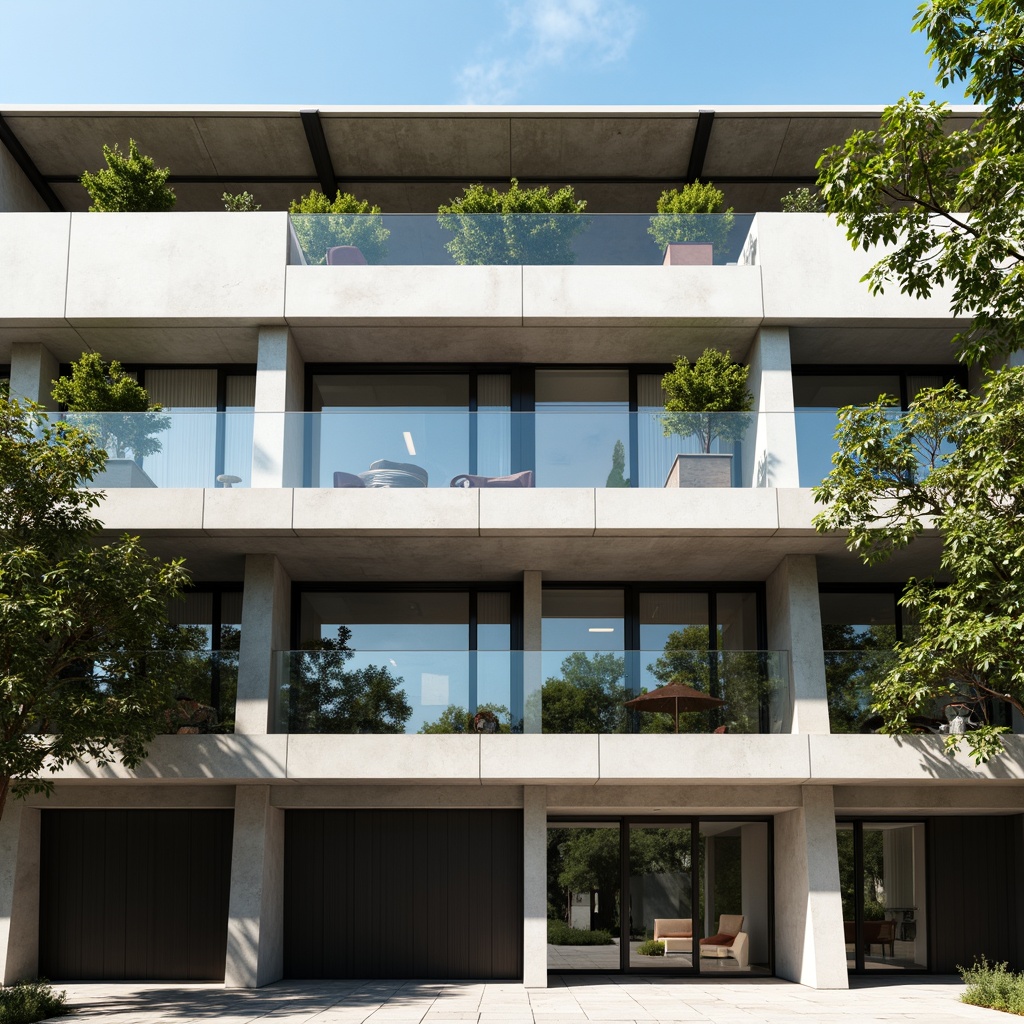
170 449
518 239
349 691
204 685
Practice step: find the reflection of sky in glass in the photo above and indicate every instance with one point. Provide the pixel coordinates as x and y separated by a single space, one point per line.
575 442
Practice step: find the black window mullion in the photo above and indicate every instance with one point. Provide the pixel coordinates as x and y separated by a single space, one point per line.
473 677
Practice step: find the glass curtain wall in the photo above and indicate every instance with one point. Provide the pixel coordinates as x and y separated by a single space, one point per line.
883 886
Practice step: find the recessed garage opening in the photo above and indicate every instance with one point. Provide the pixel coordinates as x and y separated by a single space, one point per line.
403 894
134 895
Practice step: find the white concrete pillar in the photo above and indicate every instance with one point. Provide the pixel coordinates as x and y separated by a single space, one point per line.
277 444
266 628
769 450
33 370
19 892
535 887
809 946
532 675
255 950
794 625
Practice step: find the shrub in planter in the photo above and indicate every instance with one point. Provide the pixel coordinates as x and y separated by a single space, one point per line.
652 947
683 217
510 228
128 184
560 934
802 200
343 220
699 393
127 422
28 1001
994 986
242 202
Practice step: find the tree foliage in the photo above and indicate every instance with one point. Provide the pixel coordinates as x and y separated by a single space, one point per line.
683 216
953 462
617 477
947 200
802 200
343 220
76 616
324 696
588 696
126 421
518 226
128 184
699 393
240 202
456 719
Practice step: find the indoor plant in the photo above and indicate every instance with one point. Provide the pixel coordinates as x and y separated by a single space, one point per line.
683 220
343 220
697 396
115 408
499 228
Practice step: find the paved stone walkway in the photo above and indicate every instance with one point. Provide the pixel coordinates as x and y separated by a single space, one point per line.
600 999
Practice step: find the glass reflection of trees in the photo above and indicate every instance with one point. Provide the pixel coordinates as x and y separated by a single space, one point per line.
855 659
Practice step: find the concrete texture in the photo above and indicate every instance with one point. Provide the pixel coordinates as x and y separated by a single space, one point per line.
255 945
770 456
266 621
277 448
610 1000
17 193
33 267
535 887
33 370
794 625
19 892
808 910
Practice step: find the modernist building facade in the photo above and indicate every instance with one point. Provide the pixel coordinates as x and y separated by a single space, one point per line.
439 534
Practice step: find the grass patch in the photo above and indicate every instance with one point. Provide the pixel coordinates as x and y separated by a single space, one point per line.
652 947
994 986
560 934
29 1001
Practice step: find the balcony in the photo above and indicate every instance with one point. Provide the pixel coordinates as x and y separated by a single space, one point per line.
435 692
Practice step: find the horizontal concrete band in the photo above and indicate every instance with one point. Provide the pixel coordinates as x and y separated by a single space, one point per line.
549 512
587 760
82 270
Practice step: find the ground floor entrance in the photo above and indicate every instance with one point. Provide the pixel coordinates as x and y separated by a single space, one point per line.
671 895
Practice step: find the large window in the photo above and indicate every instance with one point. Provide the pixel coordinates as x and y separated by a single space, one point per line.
659 895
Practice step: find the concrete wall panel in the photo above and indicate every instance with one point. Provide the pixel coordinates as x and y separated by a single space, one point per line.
389 758
536 759
33 267
384 511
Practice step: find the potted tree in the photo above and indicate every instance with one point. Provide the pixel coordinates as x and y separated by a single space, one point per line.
705 400
128 184
115 409
517 227
351 226
683 229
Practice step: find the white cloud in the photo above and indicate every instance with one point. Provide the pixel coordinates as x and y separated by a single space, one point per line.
546 34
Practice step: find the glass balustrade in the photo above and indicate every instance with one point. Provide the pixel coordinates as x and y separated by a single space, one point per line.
518 239
343 690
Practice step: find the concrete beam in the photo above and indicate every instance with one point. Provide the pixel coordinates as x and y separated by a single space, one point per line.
255 947
19 892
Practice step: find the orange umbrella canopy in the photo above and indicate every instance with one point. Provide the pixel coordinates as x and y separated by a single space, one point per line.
673 698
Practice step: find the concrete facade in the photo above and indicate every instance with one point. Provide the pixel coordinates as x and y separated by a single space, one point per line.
216 291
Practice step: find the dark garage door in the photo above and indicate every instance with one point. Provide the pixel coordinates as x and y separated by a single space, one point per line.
403 894
134 895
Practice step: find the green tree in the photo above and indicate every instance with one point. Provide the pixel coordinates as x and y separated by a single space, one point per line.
343 220
683 216
954 462
75 614
587 697
323 696
128 184
802 200
456 719
706 398
241 202
126 421
518 226
617 478
947 201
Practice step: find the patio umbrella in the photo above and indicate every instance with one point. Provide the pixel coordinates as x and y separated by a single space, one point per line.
673 698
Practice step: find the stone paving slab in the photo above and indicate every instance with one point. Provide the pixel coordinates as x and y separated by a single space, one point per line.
604 1000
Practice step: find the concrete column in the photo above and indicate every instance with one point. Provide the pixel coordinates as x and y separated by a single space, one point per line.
535 887
809 945
33 369
266 628
278 439
19 892
255 950
794 625
769 451
532 674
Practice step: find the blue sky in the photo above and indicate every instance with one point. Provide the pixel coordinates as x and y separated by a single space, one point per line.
690 52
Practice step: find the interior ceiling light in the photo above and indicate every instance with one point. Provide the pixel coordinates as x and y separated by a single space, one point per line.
601 629
409 446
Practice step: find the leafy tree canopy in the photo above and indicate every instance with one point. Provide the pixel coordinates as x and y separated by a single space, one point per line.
588 696
75 615
802 200
682 216
241 202
352 222
947 199
128 184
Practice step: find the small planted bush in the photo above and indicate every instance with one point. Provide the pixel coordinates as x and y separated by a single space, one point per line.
682 217
241 202
352 222
652 947
994 986
802 200
128 184
29 1001
560 934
